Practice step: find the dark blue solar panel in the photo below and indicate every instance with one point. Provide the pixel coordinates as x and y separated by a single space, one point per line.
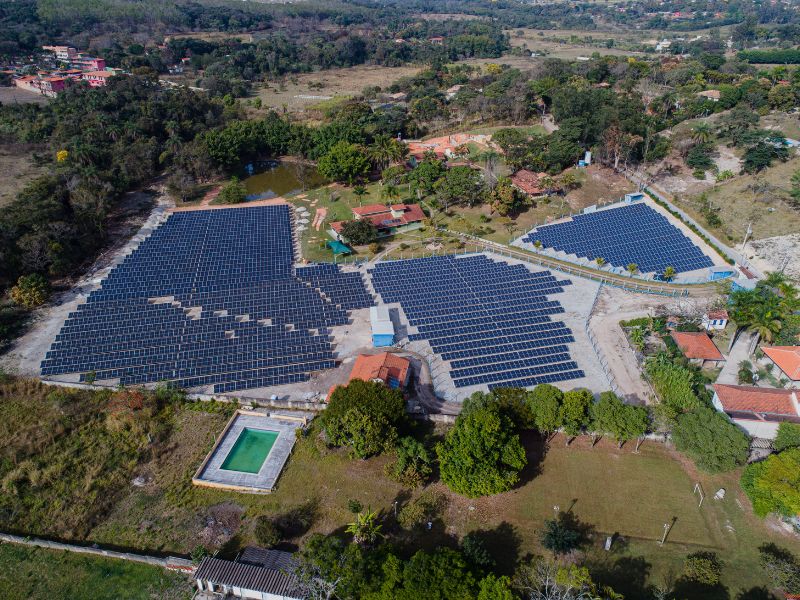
628 234
210 298
492 320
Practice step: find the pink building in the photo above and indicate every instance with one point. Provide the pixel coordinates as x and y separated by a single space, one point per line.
88 63
46 86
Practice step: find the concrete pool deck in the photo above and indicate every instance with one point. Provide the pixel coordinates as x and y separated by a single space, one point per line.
211 474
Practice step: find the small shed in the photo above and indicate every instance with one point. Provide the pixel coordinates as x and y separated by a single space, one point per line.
382 327
715 320
633 197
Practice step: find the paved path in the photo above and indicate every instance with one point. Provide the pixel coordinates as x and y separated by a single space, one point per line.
739 352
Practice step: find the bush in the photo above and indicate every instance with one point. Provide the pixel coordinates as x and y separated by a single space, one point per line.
561 535
788 437
359 232
711 440
413 465
267 533
31 291
232 192
773 485
703 567
426 508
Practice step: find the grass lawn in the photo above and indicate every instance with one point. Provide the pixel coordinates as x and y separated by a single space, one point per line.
36 573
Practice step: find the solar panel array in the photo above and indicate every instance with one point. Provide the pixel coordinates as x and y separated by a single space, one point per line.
210 298
491 320
630 234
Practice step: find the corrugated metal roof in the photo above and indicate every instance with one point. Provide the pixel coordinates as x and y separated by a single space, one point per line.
249 577
267 558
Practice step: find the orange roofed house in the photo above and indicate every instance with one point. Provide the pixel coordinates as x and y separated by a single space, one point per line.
787 359
388 220
758 411
697 347
391 370
530 183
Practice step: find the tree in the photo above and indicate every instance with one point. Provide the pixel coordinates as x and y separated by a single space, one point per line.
359 192
232 192
574 412
359 232
545 401
390 191
760 156
506 199
701 133
439 575
481 455
365 529
459 185
424 176
365 416
623 422
632 268
781 567
560 535
31 290
495 588
413 464
788 436
710 440
668 274
344 162
548 580
773 485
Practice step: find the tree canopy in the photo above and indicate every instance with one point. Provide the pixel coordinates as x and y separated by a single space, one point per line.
773 485
711 440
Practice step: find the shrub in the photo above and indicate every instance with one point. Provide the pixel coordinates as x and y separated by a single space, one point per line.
232 192
560 535
711 440
788 436
31 290
426 508
703 567
413 464
267 533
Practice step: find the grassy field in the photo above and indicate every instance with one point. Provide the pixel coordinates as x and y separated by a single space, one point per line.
18 168
39 574
154 506
302 92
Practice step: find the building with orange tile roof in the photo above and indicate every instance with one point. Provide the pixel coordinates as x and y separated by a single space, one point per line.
697 346
759 411
390 369
388 220
786 358
530 183
97 78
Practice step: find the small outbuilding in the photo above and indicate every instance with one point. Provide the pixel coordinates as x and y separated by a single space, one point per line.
388 368
257 573
382 326
715 320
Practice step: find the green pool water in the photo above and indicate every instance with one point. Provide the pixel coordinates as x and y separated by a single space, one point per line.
250 450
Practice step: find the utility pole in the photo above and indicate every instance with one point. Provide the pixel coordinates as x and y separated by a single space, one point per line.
747 235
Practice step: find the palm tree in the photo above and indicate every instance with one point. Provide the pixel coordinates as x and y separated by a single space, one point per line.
365 530
600 261
390 191
537 244
381 150
359 192
632 268
701 133
669 273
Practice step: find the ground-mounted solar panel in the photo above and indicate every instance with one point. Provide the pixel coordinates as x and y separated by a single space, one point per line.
493 321
629 234
211 297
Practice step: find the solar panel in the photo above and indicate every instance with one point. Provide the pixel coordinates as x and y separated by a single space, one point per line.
623 235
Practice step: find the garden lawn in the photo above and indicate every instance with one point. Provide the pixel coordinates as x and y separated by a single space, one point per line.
39 574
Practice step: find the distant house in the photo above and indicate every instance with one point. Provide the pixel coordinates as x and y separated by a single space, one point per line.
397 97
256 573
697 347
530 183
713 95
436 40
787 359
715 320
388 220
47 86
97 78
758 411
88 63
451 92
62 53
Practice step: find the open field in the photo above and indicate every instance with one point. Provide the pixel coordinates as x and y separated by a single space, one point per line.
18 168
39 574
15 95
302 92
610 489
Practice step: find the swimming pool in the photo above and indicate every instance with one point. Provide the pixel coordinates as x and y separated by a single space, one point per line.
250 450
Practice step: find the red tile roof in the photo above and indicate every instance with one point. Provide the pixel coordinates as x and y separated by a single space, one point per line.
744 398
381 366
99 74
787 358
696 345
530 182
381 216
716 315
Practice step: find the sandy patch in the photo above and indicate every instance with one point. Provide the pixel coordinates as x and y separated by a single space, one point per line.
319 218
770 254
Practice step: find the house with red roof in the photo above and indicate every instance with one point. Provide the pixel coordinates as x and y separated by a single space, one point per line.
44 85
97 78
715 320
759 411
390 369
698 347
530 183
388 220
787 359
